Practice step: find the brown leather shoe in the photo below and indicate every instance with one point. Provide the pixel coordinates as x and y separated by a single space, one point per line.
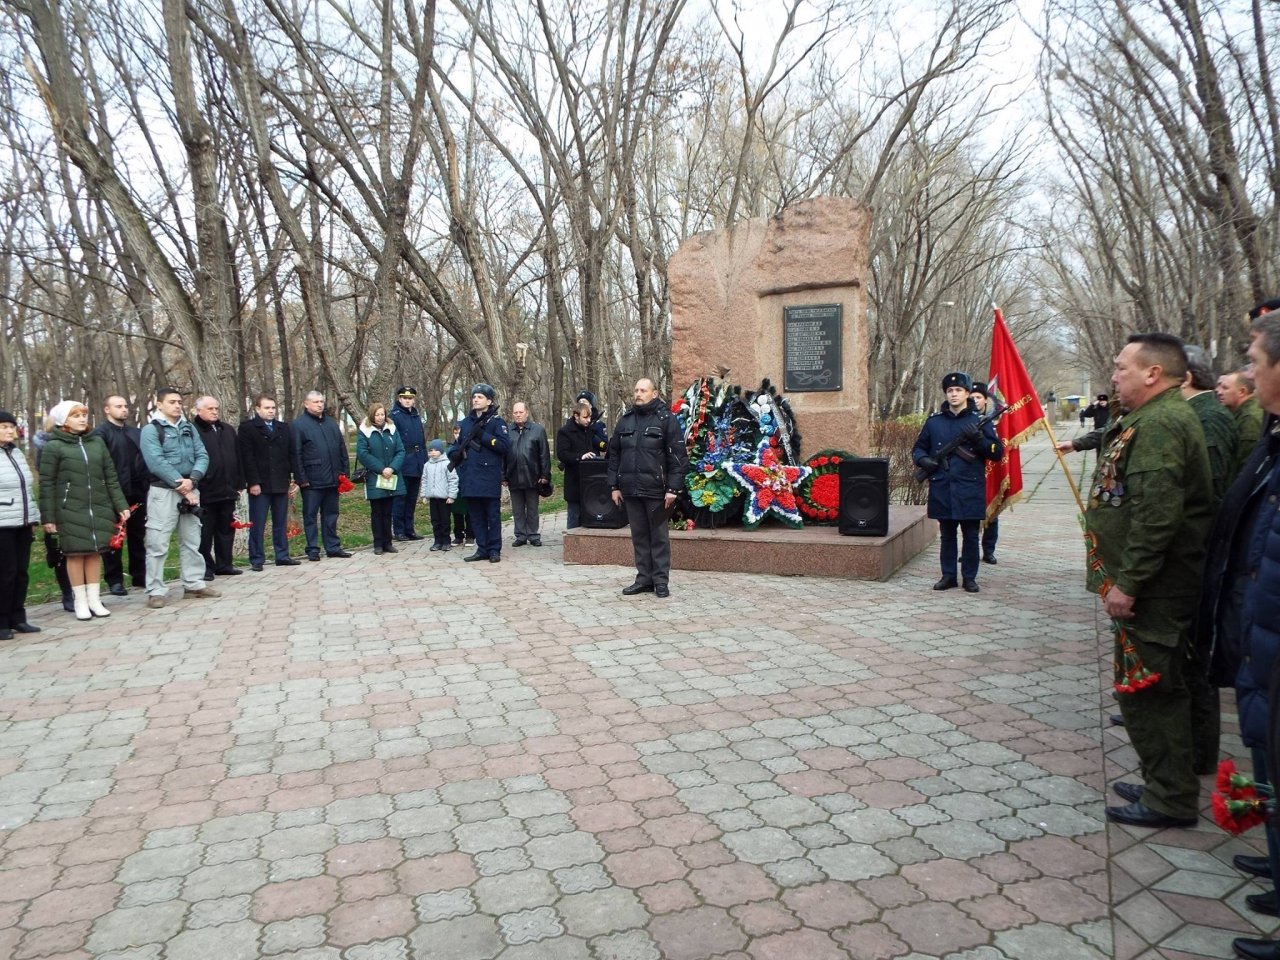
200 594
155 603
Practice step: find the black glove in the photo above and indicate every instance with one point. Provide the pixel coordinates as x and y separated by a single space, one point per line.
456 458
972 431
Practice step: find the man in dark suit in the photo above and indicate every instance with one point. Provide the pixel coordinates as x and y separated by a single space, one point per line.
265 455
124 440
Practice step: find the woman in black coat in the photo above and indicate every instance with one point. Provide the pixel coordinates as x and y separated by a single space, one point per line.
578 440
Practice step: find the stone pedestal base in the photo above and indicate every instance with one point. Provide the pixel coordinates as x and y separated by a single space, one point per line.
813 551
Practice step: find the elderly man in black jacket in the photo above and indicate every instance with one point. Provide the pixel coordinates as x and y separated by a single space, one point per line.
124 441
647 464
528 465
219 489
319 458
266 452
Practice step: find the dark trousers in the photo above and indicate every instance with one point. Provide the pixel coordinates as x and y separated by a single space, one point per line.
217 539
486 521
380 512
278 505
135 531
15 558
1158 719
462 529
575 514
1206 715
59 568
1262 776
524 510
968 553
323 502
403 507
440 512
990 534
650 539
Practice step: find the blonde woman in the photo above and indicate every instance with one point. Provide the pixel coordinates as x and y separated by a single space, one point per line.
80 502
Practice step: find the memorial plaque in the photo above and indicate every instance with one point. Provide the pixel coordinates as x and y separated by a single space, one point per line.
811 348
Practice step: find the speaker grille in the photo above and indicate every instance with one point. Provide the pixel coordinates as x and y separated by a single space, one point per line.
864 497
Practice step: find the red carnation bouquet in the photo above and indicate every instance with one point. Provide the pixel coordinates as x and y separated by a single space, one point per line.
117 539
344 484
238 524
1239 803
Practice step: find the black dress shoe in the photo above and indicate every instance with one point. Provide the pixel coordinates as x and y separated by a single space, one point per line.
390 549
1116 720
475 557
255 567
1132 792
518 543
68 603
229 571
1138 814
378 551
635 588
117 589
1254 866
971 586
414 536
338 555
946 583
989 558
400 537
6 633
535 543
662 590
1263 903
313 557
496 558
209 575
1256 949
290 562
25 627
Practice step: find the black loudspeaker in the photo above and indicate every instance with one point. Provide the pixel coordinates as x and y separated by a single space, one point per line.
596 499
864 497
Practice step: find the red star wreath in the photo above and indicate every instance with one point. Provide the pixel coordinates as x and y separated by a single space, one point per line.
770 487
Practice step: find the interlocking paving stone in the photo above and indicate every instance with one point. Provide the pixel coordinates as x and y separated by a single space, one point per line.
559 772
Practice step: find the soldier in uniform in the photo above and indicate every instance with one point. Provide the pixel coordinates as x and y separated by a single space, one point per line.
951 447
1146 522
1235 390
991 530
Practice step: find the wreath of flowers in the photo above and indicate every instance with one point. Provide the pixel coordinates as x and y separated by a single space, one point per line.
819 492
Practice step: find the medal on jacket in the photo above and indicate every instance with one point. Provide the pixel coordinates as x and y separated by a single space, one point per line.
1107 487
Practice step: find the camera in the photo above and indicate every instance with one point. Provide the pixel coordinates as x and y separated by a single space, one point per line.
195 509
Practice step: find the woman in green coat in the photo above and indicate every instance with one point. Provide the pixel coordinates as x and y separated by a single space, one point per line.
380 451
80 501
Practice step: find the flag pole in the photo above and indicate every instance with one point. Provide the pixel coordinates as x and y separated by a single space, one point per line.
1053 442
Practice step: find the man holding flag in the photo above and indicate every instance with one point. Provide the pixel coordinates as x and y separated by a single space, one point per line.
1008 386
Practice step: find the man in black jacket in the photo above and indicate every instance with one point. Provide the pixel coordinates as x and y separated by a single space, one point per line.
319 457
219 489
266 452
528 466
124 441
647 464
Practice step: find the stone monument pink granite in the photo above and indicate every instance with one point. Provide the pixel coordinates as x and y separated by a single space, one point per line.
729 291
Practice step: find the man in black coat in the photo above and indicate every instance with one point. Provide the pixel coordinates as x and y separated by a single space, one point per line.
124 441
528 465
319 457
647 464
219 489
576 441
266 452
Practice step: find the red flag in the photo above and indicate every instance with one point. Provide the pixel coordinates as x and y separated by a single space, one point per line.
1009 385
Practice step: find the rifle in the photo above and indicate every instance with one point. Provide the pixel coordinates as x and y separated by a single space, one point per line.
928 466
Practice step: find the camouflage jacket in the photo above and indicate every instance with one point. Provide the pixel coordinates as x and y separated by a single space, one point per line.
1150 502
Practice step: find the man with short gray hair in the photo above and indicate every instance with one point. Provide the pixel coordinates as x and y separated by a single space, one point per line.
319 458
219 489
528 467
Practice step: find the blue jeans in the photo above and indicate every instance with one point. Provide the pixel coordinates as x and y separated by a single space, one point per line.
324 502
486 521
278 505
969 552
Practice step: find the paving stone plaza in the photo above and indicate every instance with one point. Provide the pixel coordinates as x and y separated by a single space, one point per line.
404 757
